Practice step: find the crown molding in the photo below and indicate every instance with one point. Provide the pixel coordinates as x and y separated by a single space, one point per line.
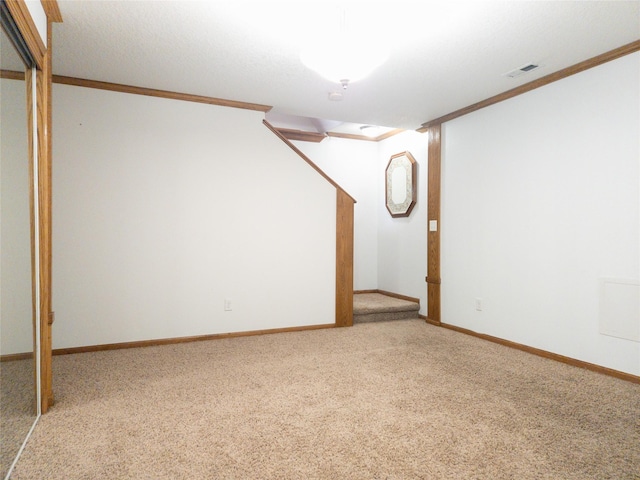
540 82
301 135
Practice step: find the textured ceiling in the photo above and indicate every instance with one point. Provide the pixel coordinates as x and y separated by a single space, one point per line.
444 55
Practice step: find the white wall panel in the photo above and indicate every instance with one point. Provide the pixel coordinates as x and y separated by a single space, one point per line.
163 209
540 203
390 253
402 241
353 165
39 18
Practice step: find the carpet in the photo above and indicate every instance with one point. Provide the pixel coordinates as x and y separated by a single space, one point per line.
380 400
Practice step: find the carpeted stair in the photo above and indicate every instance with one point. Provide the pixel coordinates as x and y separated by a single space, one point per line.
373 307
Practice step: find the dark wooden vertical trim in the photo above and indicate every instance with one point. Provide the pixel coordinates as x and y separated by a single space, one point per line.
433 237
344 259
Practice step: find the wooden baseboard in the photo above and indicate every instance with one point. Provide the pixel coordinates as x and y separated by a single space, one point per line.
390 294
543 353
171 341
16 356
430 321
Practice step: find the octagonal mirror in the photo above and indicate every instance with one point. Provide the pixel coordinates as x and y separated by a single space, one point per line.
400 180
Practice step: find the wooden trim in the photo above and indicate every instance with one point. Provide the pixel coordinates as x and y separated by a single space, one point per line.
389 294
52 9
399 296
42 135
433 213
43 94
344 259
11 357
540 82
305 158
352 136
301 135
389 134
176 340
150 92
20 13
12 75
545 354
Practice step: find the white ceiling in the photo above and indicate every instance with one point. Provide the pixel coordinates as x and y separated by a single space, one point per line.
445 55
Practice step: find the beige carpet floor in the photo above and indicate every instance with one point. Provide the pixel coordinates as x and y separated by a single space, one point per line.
17 408
373 307
383 400
364 303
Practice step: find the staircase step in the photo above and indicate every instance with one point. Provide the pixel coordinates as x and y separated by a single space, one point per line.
373 307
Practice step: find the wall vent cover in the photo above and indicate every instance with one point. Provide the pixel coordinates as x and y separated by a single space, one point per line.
526 68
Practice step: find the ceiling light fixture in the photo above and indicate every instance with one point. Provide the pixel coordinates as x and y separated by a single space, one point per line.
370 131
344 53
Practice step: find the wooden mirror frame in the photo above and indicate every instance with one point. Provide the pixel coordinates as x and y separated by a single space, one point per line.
408 164
41 53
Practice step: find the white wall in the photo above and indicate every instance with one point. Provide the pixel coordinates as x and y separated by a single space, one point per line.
36 10
389 253
540 202
354 166
16 316
162 209
402 241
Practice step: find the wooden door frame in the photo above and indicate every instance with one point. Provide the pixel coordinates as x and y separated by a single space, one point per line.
42 57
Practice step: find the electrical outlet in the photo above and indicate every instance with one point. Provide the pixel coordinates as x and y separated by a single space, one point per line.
479 304
227 305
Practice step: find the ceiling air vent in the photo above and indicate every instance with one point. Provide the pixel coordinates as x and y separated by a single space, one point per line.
522 70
